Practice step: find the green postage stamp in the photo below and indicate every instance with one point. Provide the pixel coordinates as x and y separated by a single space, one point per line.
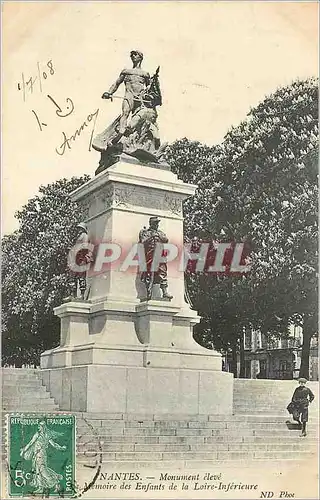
41 455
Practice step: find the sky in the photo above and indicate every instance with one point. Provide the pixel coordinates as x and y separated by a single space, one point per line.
217 60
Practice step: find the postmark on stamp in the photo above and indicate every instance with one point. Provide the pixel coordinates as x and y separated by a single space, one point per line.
41 455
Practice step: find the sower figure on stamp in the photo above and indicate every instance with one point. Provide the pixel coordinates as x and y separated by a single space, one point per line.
150 238
44 478
301 398
83 257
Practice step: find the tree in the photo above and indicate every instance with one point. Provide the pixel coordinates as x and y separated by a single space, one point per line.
34 273
261 187
190 160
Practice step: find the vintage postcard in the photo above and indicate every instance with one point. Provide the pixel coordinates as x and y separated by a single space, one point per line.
160 250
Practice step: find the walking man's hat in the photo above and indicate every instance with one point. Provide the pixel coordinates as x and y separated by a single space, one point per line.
303 380
154 219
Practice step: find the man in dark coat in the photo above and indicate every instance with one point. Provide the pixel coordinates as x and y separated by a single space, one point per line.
301 399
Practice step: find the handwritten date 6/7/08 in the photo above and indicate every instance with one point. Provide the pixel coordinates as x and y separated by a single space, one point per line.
28 86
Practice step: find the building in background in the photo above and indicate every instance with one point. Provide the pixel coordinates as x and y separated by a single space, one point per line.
278 358
275 358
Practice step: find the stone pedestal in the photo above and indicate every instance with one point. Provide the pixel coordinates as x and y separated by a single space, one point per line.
117 351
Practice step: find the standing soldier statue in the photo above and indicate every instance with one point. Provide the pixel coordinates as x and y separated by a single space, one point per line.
82 257
150 238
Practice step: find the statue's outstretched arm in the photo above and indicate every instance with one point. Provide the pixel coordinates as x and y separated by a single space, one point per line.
114 87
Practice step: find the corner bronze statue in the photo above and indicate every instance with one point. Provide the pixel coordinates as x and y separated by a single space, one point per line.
150 238
135 131
82 257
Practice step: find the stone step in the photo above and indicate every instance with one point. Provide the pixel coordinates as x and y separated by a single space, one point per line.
261 381
197 440
24 404
260 388
103 417
265 395
29 402
269 408
282 403
214 455
275 402
16 377
19 370
258 393
164 417
116 447
27 398
258 439
261 407
136 433
236 439
24 389
155 426
269 381
95 449
260 411
41 408
192 465
262 394
26 401
28 383
30 387
240 412
237 423
147 416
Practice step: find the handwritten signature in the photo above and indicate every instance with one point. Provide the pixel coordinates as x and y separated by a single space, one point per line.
63 113
68 141
59 112
69 107
63 109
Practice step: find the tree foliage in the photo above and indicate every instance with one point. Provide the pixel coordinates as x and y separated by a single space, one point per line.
34 272
261 187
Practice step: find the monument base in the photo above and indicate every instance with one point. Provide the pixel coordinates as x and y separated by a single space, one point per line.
134 358
119 352
151 334
128 389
